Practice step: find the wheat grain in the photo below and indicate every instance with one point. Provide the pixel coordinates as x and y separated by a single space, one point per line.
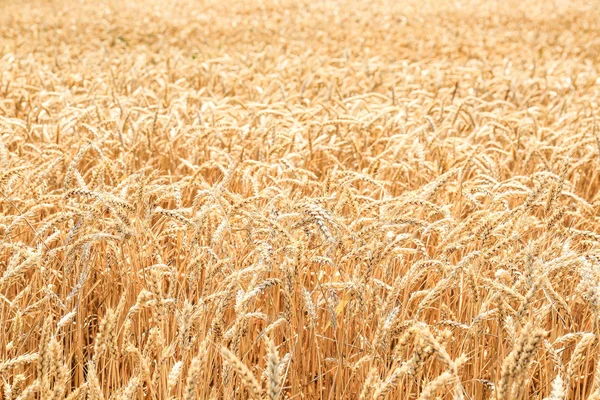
193 197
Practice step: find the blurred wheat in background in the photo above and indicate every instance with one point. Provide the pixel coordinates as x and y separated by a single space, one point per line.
290 199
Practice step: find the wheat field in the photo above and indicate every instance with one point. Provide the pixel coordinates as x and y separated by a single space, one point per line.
282 199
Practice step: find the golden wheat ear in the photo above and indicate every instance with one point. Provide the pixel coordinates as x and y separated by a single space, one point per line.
297 199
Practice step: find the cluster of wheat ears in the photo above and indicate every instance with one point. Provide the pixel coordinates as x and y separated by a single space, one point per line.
286 199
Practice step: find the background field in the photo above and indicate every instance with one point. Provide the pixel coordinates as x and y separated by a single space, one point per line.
299 199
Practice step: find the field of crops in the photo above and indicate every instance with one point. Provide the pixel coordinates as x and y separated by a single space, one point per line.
283 199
